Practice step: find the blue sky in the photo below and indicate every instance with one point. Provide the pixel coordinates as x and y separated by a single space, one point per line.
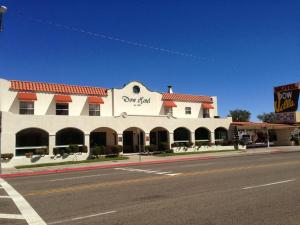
244 47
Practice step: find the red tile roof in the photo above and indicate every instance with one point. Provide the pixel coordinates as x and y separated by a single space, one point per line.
169 104
56 88
186 98
262 125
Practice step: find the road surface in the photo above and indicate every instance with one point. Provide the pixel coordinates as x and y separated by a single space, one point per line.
258 189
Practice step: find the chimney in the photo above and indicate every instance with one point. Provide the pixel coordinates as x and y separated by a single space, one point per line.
170 89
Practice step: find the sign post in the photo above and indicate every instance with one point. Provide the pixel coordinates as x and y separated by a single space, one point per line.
3 10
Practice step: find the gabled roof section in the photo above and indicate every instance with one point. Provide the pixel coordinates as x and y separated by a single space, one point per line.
56 88
186 98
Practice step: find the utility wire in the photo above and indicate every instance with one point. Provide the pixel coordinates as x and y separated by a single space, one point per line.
108 37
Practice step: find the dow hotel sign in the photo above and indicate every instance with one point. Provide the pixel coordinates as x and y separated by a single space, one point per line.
136 101
286 102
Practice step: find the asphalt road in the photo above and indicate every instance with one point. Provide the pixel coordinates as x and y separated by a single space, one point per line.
260 189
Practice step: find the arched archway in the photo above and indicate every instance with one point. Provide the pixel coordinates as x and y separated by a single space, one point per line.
133 140
202 134
69 136
182 134
31 139
221 134
159 136
103 136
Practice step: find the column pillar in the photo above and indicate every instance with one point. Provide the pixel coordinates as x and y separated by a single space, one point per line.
171 139
192 137
147 138
51 143
212 137
120 140
87 143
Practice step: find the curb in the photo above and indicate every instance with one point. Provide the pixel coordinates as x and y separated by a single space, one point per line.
84 168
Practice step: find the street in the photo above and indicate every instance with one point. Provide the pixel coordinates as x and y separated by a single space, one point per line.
258 189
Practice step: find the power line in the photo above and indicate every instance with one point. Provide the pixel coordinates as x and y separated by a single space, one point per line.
112 38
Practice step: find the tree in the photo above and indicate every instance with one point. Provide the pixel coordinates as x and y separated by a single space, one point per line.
239 115
267 117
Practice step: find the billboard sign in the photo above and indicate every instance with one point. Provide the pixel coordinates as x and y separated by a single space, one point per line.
286 98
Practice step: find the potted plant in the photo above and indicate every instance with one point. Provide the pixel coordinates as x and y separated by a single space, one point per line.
29 154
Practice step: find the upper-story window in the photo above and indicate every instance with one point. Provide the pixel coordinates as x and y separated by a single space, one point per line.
206 113
62 109
94 109
188 110
27 107
168 111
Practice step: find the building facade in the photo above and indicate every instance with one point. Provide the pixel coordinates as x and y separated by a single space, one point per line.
37 115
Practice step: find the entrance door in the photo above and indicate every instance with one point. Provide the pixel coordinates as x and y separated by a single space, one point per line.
128 146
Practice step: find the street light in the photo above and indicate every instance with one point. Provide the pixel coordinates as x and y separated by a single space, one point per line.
3 10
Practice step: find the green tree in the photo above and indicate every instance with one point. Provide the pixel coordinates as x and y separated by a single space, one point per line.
240 115
267 117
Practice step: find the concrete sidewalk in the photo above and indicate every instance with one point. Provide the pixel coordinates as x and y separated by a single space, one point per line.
135 160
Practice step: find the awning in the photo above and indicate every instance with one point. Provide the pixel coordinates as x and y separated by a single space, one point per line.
207 106
95 100
62 98
169 104
23 96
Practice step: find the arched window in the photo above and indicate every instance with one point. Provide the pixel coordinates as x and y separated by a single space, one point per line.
202 134
69 136
221 134
182 134
31 139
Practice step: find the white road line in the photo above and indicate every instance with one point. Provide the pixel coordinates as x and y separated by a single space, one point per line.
163 173
81 177
1 188
29 214
169 173
269 184
173 174
11 216
82 217
196 165
4 196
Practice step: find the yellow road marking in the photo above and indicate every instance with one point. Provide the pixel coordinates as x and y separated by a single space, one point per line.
147 179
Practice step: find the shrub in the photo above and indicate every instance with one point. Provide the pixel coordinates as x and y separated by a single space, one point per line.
296 140
55 151
7 156
157 152
198 144
98 150
83 149
175 144
116 149
74 148
29 154
163 146
151 148
169 151
189 144
42 151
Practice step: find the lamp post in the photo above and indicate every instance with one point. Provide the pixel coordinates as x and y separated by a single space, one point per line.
3 10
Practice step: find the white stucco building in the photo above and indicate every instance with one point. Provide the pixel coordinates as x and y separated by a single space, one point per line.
36 114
